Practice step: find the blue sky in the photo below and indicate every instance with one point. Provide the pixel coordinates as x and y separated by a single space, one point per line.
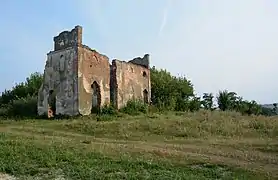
217 44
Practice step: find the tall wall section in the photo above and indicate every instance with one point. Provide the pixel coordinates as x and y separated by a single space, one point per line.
93 67
130 81
79 78
60 74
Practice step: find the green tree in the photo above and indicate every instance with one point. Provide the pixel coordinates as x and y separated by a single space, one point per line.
226 100
207 101
274 108
6 97
22 90
267 111
255 108
239 104
249 107
22 99
169 91
195 104
33 83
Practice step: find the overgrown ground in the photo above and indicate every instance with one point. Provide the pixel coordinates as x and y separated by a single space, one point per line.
201 145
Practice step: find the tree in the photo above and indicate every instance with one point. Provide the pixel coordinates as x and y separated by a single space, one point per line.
254 108
33 83
6 97
251 107
22 90
226 100
207 101
195 104
274 108
239 104
267 111
168 91
21 100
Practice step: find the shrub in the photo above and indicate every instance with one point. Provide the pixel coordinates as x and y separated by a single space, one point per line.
107 110
23 107
4 111
182 105
135 107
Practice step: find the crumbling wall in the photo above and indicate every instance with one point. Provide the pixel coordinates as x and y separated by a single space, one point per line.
67 39
79 77
145 61
60 75
112 85
130 80
92 67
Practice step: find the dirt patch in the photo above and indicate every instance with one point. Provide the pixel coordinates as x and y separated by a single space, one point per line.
7 177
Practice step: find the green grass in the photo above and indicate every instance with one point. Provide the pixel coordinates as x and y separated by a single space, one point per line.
203 145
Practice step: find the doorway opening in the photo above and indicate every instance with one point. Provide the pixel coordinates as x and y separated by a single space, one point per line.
146 96
51 104
96 99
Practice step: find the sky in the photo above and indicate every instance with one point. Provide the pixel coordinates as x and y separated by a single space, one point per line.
216 44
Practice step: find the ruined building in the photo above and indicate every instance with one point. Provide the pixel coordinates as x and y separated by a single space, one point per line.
78 79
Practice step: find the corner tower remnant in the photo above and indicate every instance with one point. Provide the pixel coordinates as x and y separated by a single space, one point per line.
77 78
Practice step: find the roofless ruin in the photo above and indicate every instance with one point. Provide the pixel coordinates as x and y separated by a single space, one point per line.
79 80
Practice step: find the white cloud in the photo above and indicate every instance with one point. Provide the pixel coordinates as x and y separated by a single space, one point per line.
164 17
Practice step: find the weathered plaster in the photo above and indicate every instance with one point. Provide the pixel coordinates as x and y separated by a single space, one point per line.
129 81
67 39
60 76
72 68
92 66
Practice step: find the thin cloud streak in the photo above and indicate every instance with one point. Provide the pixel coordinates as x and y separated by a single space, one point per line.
164 17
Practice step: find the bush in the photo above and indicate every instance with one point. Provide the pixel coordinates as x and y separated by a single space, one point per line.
4 111
182 104
23 107
107 110
135 107
107 113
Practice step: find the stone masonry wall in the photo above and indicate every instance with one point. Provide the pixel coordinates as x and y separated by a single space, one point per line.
67 39
92 66
72 69
60 75
145 61
130 80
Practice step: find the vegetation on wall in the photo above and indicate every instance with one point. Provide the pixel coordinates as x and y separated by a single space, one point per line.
169 93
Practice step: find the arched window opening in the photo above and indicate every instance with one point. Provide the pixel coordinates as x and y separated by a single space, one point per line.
144 74
96 98
51 104
146 96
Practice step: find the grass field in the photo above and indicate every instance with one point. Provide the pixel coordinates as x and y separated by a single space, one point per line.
201 145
